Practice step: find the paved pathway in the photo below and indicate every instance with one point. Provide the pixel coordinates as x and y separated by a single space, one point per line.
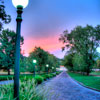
63 87
6 82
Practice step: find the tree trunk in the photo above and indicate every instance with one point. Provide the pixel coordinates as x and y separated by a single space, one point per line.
8 71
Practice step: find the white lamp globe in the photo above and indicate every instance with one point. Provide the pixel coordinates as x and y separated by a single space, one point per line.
23 3
47 65
34 61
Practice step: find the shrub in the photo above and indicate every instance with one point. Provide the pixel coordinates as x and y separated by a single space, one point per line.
6 77
44 77
57 73
50 75
38 79
54 74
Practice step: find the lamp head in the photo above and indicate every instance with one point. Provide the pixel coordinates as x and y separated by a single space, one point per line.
34 61
22 3
47 65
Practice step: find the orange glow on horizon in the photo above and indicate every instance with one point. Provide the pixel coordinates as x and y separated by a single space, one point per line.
48 44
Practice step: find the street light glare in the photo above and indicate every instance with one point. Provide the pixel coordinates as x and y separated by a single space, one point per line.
23 3
34 61
47 65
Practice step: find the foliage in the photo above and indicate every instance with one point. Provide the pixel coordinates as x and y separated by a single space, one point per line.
38 79
95 73
84 41
79 64
7 49
68 61
27 91
98 63
53 62
6 77
23 64
40 55
4 17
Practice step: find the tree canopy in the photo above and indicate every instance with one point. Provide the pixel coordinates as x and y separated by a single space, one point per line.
7 48
4 17
84 41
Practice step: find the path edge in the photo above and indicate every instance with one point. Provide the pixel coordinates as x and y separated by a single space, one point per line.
83 84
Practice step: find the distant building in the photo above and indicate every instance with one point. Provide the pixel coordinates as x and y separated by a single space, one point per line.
62 68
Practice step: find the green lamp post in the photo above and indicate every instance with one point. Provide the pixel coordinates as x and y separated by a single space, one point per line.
52 68
19 4
34 62
47 67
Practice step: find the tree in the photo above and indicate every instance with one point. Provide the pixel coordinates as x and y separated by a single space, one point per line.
84 41
98 63
7 49
68 61
41 56
79 64
4 18
53 62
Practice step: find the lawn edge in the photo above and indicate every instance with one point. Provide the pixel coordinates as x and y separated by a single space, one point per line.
83 84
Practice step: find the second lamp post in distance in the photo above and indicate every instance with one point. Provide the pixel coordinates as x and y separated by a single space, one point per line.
34 64
47 67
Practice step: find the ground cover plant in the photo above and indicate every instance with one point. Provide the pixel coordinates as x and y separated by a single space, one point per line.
27 91
91 81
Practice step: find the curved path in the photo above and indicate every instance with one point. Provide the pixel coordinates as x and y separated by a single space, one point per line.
63 87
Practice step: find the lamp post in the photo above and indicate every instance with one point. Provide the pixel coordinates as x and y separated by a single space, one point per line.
34 63
52 68
19 4
47 67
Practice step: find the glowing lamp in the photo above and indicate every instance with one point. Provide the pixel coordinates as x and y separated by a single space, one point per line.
47 65
23 3
34 61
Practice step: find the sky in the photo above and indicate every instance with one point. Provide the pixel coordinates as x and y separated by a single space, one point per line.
45 20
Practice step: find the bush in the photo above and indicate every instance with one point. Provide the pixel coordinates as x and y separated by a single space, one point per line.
57 73
6 77
54 74
38 79
50 75
44 77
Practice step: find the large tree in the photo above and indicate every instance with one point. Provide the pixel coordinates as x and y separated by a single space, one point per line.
84 41
4 17
7 49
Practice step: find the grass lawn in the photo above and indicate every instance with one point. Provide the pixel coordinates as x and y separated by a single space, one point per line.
95 73
91 81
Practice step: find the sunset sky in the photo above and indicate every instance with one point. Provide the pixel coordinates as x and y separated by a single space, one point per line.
45 20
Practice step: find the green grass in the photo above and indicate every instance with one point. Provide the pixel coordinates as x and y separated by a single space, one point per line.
95 73
91 81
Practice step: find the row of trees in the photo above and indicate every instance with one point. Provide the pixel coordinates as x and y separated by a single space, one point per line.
7 55
43 58
82 44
